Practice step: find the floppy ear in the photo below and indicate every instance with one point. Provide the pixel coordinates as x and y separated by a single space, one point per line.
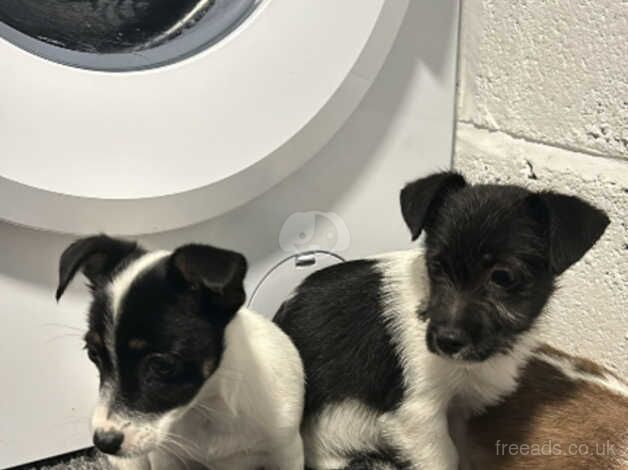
421 199
573 226
220 272
97 256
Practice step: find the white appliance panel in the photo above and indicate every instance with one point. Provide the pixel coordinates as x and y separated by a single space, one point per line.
343 200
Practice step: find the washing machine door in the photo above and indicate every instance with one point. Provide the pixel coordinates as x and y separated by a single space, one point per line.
158 118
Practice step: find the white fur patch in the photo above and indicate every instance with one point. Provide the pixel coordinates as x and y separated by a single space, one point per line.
349 426
100 415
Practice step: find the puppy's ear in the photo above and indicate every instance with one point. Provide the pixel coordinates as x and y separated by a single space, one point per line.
572 224
421 199
220 272
96 256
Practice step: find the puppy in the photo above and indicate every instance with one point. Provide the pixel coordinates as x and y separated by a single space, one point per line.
567 412
390 345
187 375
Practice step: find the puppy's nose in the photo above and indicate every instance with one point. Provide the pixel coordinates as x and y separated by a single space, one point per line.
450 341
108 442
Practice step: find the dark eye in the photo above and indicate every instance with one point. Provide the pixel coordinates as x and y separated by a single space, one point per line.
163 366
502 277
92 353
435 265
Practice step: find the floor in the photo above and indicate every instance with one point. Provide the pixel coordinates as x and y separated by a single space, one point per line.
84 460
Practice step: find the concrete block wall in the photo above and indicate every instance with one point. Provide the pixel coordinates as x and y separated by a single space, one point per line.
543 102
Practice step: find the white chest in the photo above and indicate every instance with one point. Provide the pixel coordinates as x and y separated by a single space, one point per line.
211 433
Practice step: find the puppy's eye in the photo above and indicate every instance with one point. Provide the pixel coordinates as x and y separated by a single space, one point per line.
502 277
435 265
163 366
93 355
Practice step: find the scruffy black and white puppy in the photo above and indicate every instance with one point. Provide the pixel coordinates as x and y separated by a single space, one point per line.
187 375
393 344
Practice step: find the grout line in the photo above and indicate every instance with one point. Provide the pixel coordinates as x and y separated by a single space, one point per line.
513 135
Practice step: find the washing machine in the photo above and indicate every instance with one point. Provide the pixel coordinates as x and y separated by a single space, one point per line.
283 129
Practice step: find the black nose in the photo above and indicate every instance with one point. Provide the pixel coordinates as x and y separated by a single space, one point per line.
450 341
108 442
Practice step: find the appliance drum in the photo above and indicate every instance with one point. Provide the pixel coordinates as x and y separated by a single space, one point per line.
119 35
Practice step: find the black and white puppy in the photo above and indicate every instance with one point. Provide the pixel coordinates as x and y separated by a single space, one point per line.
187 375
393 344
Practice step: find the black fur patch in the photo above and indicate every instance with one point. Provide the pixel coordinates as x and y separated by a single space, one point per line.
335 321
481 233
385 459
180 331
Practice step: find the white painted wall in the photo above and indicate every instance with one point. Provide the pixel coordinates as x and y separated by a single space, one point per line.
543 101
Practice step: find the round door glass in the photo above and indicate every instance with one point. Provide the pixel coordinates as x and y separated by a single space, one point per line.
119 35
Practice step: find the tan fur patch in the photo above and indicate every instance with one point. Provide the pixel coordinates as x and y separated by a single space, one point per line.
138 344
553 423
209 367
93 338
579 363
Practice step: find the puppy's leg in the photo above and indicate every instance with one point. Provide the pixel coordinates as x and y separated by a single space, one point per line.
371 463
161 460
457 420
288 455
139 463
421 436
240 462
